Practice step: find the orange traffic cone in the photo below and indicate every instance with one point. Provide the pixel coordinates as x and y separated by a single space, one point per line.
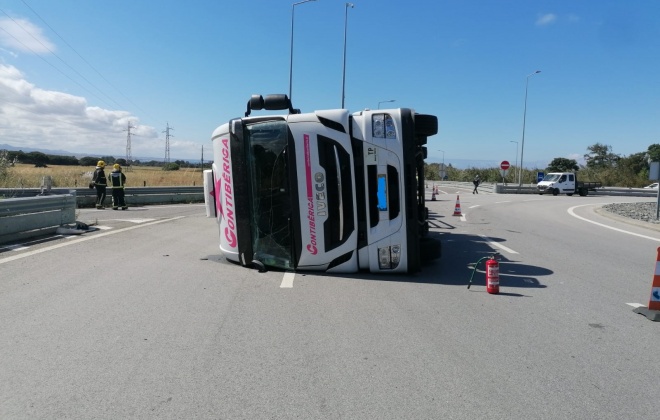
653 311
457 209
433 195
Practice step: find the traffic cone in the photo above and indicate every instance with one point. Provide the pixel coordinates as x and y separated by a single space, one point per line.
457 209
433 195
653 311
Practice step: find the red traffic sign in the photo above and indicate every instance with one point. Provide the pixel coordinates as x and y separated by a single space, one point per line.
505 165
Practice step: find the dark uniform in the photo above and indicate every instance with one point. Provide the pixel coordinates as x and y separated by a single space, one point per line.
117 181
100 183
476 183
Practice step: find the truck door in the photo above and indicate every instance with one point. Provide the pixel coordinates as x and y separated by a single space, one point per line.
563 183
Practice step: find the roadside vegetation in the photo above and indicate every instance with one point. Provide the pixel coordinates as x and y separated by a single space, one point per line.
27 170
602 165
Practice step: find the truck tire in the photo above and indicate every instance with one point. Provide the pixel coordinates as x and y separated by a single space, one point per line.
426 125
569 194
583 192
555 191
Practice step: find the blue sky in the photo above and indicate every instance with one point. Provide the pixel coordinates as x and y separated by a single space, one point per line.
74 73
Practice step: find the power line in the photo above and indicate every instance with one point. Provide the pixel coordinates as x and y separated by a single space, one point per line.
86 62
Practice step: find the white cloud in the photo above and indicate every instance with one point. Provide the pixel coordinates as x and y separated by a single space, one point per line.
22 35
45 119
546 19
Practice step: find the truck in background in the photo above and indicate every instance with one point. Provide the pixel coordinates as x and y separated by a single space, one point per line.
322 191
565 183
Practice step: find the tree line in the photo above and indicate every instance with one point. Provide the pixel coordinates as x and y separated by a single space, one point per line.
40 159
601 164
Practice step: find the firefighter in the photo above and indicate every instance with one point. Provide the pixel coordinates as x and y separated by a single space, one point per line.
100 182
117 181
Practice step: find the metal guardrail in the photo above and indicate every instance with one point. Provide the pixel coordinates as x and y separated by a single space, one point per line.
134 195
500 188
33 212
33 216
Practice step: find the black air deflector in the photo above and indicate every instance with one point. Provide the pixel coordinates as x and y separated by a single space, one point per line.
339 180
333 125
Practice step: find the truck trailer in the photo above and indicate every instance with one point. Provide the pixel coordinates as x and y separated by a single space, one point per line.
326 190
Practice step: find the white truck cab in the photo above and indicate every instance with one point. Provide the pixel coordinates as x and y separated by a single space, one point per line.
561 183
326 190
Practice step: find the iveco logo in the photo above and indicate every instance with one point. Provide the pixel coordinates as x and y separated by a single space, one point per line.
319 186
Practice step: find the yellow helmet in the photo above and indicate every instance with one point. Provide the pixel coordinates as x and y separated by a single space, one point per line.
116 166
100 163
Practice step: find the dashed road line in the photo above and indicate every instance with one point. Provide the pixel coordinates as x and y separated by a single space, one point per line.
287 280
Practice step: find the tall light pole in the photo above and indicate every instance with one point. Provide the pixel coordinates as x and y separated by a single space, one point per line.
293 8
382 102
513 141
442 172
522 148
343 79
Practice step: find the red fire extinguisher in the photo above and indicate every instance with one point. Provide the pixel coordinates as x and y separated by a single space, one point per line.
492 275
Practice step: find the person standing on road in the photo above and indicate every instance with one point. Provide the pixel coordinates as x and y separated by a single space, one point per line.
117 182
476 183
100 182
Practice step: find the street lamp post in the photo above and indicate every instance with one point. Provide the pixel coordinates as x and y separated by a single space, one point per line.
442 172
513 141
293 8
343 78
382 102
522 147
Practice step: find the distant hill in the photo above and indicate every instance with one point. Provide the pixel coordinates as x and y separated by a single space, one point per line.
80 155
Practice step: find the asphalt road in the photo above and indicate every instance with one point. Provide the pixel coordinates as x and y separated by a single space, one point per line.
144 319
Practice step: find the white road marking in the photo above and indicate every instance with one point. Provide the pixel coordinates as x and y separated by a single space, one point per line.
572 213
287 281
476 205
18 247
83 239
497 245
463 219
134 220
103 227
636 305
500 202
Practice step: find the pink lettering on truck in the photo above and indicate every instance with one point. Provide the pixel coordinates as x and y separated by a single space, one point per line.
228 194
311 246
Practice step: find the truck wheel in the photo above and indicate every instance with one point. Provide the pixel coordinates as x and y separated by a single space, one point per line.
569 194
426 125
583 192
555 191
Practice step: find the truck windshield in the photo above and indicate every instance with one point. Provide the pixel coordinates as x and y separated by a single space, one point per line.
551 177
270 197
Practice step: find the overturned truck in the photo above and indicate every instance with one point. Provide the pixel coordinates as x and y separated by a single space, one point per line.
322 191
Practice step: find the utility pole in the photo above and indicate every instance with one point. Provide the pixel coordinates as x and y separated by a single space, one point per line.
128 145
167 142
202 163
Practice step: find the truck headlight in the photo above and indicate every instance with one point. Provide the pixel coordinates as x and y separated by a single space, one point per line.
389 257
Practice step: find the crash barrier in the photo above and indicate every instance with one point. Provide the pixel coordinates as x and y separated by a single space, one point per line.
31 216
134 195
35 216
612 191
500 188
